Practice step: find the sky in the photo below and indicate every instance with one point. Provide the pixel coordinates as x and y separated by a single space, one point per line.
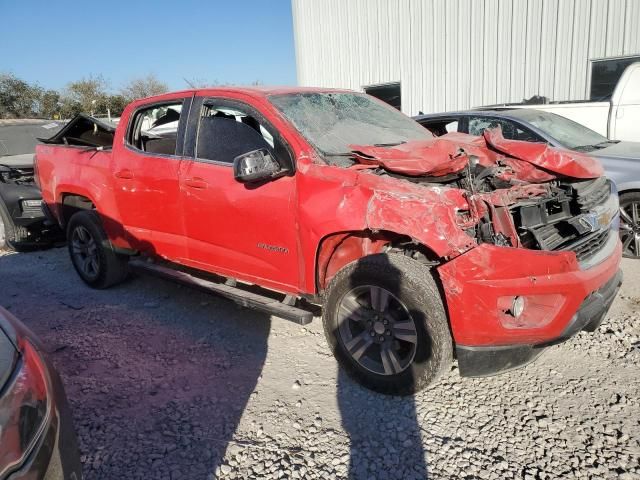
206 41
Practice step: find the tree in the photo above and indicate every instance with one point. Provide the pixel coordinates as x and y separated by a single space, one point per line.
143 87
69 108
88 94
18 98
116 104
49 104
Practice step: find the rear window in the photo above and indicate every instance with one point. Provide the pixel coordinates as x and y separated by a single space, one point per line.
605 75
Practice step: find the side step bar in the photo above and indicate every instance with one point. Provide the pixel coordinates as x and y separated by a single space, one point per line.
241 297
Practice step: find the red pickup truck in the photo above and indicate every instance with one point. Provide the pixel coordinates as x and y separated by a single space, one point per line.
418 248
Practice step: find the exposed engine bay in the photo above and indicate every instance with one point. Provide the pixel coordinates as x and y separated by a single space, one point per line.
16 175
519 194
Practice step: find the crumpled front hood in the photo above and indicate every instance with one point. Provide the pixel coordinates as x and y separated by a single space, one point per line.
556 160
531 162
436 157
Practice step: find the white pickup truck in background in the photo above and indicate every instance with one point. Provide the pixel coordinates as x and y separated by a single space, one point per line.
617 118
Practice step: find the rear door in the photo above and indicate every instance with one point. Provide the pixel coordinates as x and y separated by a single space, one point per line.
145 170
246 231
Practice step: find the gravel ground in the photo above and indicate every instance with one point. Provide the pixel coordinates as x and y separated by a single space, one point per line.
170 383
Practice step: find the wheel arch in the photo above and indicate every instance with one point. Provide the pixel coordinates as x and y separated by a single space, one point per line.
70 203
635 188
338 249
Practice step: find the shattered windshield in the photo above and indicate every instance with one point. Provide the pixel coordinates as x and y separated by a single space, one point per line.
334 121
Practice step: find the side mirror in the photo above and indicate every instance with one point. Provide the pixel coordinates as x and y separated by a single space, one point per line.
255 166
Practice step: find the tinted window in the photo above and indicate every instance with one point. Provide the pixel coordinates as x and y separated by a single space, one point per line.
389 93
510 130
441 127
605 75
155 129
225 133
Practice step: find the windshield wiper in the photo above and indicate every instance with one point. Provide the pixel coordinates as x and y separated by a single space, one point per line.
606 143
597 146
390 144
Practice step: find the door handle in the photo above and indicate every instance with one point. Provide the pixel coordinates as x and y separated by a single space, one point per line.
125 174
196 182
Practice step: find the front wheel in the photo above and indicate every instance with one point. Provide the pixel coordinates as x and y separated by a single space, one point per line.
630 224
91 252
386 324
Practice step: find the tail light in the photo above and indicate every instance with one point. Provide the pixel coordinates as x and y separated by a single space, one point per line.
24 409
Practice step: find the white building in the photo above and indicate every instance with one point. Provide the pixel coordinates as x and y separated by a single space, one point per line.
439 55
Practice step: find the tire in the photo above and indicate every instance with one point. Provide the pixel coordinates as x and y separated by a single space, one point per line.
11 235
91 252
630 224
411 346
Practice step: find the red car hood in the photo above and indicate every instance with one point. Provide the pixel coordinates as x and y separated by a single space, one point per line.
532 162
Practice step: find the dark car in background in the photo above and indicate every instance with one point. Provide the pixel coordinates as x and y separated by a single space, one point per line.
22 221
37 439
621 160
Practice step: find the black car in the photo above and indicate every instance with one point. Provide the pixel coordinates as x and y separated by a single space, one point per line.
22 220
37 439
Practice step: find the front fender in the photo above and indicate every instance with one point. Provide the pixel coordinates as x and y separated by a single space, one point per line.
430 219
334 200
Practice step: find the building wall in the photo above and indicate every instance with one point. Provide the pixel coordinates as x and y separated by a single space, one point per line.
456 54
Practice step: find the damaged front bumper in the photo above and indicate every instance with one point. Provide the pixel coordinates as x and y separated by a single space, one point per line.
561 298
486 361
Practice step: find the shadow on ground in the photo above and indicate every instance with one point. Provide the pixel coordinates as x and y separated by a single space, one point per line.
157 375
385 439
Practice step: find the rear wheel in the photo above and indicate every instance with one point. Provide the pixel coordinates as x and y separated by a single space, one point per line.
91 252
386 324
630 224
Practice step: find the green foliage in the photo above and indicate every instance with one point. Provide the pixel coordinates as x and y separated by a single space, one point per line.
87 93
143 87
49 104
19 99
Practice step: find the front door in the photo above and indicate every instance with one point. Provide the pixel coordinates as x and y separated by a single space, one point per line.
240 230
145 170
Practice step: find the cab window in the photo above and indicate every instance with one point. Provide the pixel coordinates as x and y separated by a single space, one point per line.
155 129
226 132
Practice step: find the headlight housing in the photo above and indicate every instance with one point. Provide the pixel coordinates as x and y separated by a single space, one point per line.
24 409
